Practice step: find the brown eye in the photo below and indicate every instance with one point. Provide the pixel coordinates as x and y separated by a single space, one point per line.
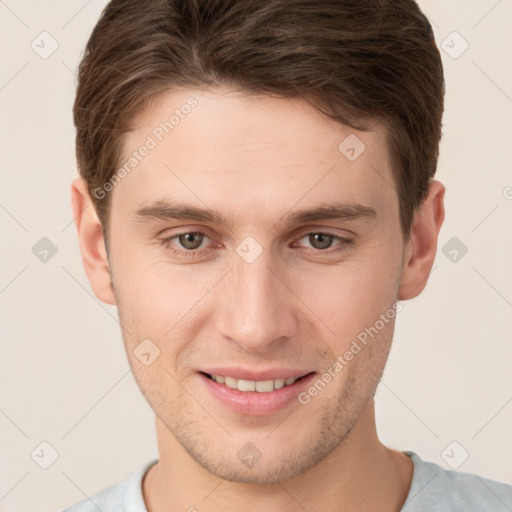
191 241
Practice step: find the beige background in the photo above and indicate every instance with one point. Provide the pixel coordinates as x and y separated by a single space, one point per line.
64 374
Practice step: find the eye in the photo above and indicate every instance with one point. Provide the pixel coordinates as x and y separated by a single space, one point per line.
190 242
321 241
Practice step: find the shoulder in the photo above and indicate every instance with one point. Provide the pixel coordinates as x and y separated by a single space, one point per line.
107 500
436 488
124 496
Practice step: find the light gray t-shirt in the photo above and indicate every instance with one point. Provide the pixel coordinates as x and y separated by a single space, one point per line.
433 488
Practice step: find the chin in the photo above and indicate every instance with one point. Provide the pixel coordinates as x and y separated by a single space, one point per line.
269 474
251 466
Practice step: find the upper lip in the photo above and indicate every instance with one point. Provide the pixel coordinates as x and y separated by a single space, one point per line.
257 375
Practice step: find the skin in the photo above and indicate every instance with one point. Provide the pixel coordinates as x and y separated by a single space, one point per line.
256 160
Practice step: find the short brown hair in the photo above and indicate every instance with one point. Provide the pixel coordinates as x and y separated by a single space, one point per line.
354 60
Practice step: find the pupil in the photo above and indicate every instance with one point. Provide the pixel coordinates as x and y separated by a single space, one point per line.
187 240
320 240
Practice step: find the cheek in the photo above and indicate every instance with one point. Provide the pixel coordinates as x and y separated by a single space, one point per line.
165 304
156 294
348 298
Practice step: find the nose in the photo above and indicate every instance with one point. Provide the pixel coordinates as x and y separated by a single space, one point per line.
256 308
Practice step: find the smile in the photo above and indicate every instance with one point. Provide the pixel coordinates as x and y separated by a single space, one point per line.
255 393
262 386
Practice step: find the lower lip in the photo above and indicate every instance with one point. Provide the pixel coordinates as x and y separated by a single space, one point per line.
254 403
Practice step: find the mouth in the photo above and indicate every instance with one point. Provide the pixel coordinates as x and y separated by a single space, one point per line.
258 397
257 386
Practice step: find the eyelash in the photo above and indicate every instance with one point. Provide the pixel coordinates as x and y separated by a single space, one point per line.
344 243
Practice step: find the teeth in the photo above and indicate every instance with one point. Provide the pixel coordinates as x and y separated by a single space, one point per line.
231 383
278 383
246 385
263 386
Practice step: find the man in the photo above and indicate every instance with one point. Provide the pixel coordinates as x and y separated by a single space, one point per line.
256 197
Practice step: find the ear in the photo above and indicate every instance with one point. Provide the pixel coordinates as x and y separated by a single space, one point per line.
420 250
91 241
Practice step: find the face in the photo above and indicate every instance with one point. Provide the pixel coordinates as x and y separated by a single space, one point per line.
246 248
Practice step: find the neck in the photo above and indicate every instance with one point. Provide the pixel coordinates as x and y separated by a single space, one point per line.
360 474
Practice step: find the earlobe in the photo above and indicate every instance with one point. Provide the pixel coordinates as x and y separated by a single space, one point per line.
420 250
91 241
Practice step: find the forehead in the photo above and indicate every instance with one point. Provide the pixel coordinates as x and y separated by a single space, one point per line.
238 153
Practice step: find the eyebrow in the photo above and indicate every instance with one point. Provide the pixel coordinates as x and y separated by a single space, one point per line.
164 210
